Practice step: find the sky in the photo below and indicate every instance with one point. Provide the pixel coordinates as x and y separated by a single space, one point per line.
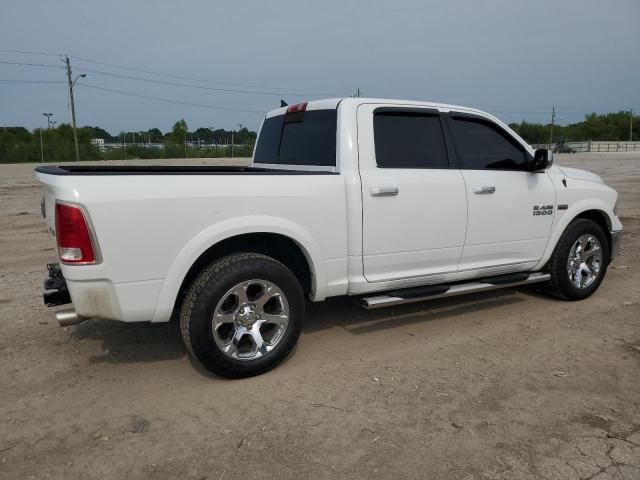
514 58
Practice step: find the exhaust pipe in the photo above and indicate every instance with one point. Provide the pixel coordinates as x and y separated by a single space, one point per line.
69 317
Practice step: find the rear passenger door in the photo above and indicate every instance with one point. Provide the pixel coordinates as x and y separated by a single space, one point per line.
502 230
414 205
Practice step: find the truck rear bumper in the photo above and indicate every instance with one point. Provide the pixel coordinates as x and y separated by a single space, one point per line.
125 302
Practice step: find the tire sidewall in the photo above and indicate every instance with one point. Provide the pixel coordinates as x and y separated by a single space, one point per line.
574 232
209 293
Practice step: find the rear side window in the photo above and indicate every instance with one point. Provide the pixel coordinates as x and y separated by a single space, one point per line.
303 138
409 140
482 145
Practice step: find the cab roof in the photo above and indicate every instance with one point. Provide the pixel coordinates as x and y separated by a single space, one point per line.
330 103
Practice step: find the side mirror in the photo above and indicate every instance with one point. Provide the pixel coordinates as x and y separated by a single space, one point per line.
542 159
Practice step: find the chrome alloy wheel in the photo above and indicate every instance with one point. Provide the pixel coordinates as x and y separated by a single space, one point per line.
250 320
585 261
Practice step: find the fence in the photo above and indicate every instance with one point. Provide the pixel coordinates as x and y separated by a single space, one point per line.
591 146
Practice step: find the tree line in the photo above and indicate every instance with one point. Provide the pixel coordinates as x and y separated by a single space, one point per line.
18 144
605 127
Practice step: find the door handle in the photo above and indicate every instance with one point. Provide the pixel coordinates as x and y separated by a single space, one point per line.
383 191
484 190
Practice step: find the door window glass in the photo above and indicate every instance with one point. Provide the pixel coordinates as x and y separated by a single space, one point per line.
481 145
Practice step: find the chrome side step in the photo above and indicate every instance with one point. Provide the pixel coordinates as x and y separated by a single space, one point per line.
420 294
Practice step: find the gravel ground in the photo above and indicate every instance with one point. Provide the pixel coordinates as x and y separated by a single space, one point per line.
498 385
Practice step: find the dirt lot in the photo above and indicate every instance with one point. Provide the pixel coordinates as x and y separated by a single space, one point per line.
498 385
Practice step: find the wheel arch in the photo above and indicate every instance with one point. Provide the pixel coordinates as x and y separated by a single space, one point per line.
274 245
278 238
601 218
597 213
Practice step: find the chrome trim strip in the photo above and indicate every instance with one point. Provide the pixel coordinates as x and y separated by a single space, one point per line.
302 168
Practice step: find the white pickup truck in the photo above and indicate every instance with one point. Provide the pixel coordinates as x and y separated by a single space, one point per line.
393 201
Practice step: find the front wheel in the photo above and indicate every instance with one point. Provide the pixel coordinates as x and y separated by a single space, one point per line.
579 262
242 315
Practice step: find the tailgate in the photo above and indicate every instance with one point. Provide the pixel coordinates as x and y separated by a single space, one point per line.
48 202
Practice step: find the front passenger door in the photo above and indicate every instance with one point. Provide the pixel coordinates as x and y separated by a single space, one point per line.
502 229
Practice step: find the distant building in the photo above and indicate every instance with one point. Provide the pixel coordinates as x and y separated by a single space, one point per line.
98 142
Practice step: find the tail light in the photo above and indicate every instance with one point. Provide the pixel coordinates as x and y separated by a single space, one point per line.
75 244
297 108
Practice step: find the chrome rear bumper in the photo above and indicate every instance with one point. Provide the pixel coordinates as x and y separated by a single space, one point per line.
616 238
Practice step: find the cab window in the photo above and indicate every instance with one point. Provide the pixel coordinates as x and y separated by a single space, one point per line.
483 145
409 140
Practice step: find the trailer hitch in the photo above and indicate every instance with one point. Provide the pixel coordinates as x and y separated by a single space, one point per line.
55 285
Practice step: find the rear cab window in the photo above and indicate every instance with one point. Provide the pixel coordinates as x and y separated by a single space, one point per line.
409 139
298 139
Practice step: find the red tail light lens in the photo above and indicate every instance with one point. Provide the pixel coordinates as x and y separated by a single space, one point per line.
298 107
72 235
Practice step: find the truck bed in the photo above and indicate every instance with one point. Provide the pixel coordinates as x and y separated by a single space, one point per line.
85 170
152 223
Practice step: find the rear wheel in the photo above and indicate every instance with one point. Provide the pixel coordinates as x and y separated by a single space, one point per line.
242 315
579 262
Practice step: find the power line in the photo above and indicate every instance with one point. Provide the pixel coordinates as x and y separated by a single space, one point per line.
27 64
179 77
187 85
195 79
167 100
31 81
29 52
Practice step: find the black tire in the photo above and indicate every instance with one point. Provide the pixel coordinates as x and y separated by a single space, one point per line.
208 289
560 285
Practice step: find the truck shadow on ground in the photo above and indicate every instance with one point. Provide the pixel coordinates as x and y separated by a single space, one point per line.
144 342
132 342
347 313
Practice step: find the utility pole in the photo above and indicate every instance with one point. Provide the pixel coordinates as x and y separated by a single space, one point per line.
73 107
631 126
231 143
553 119
41 147
358 93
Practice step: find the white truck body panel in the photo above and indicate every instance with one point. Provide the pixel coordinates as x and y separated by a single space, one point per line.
151 229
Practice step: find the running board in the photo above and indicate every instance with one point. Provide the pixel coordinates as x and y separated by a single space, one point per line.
420 294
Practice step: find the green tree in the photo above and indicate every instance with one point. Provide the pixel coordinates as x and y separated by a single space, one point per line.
179 132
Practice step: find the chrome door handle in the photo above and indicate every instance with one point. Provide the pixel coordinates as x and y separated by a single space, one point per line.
484 190
383 191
